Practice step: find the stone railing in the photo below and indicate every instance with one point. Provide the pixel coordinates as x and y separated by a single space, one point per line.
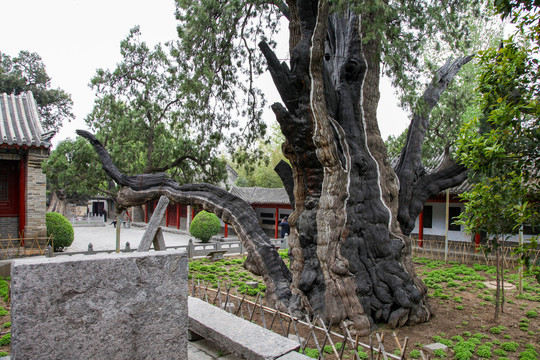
192 249
90 220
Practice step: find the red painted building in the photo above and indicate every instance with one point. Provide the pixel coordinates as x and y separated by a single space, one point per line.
24 145
270 205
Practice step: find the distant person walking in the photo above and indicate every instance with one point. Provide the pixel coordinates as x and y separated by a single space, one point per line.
285 228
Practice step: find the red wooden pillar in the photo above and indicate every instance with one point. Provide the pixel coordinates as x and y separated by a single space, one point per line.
421 229
22 198
192 212
226 230
178 216
167 217
476 241
277 222
146 212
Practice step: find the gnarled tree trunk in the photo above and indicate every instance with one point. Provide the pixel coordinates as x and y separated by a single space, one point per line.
58 202
353 213
349 245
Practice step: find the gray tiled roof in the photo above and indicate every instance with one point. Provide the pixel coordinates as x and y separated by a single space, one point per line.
19 122
257 195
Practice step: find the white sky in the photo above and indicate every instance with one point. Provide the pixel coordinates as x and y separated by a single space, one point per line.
76 37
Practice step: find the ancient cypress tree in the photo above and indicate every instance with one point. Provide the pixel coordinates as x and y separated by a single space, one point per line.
353 212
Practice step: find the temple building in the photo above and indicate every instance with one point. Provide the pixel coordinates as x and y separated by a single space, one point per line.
24 145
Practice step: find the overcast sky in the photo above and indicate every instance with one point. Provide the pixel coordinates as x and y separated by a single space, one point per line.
76 37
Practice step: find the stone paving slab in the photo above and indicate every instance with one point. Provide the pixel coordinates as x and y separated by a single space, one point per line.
246 339
207 350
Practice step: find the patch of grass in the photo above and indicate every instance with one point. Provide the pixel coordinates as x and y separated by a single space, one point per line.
531 314
362 354
4 288
484 351
439 353
464 349
312 353
481 285
500 352
5 340
509 346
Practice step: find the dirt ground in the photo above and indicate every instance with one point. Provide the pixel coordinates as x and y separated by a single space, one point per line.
461 303
462 306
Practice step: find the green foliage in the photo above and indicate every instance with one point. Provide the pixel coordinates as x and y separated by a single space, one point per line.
464 349
531 314
7 325
143 116
261 172
312 353
4 289
362 354
509 346
484 351
529 354
500 352
500 146
284 254
3 311
5 340
75 169
415 354
61 229
204 226
439 353
4 353
26 72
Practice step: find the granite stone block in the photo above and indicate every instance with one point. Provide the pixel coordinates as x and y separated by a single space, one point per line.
105 306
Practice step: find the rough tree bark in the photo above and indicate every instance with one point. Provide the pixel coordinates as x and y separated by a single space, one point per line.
58 202
353 213
349 246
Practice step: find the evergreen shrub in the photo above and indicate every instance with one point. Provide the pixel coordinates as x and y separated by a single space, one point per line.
204 226
61 229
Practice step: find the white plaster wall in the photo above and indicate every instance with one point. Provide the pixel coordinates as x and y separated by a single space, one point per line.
438 224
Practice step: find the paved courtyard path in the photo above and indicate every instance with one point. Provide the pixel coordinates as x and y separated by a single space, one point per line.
104 237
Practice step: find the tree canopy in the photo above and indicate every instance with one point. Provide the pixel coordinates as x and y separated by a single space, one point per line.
74 168
143 118
145 121
458 105
27 72
500 146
